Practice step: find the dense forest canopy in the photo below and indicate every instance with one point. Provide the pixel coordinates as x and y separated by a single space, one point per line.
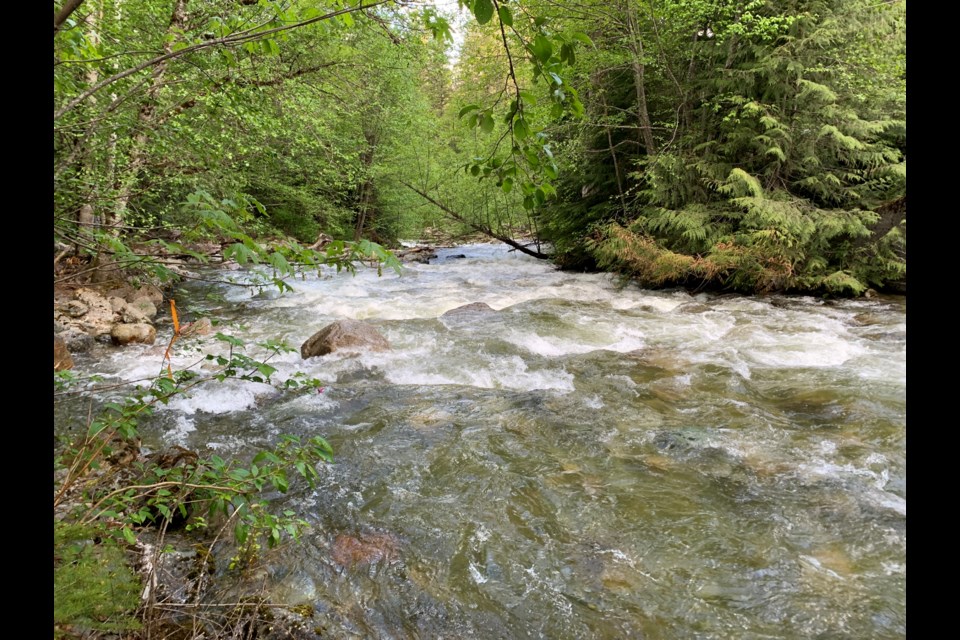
753 145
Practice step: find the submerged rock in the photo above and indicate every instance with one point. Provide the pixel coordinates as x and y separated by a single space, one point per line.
366 549
473 307
343 335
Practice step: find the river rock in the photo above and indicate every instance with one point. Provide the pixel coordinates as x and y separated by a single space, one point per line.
368 548
117 304
100 316
124 333
132 315
74 309
62 360
473 307
202 327
77 341
342 335
421 254
145 306
152 294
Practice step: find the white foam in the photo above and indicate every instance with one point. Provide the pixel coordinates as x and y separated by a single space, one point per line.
221 397
179 434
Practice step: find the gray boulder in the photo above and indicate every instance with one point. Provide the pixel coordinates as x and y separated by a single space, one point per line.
343 335
77 341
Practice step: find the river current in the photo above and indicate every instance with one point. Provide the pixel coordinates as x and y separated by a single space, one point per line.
591 460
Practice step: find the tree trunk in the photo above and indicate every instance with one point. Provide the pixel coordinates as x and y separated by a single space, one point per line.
138 149
643 115
367 188
85 217
613 155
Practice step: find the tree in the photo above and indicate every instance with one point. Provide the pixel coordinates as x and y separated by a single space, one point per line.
777 130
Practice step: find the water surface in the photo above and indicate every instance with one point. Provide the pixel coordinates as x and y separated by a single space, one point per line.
589 461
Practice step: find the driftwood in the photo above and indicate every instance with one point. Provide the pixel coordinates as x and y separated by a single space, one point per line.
422 254
322 241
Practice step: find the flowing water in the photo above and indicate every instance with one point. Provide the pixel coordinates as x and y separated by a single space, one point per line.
589 461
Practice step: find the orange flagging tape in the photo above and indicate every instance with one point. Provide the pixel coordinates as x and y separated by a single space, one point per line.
176 334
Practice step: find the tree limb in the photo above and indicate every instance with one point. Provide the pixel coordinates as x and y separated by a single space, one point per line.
61 16
487 231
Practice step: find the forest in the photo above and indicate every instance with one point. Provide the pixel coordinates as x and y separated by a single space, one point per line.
730 147
748 146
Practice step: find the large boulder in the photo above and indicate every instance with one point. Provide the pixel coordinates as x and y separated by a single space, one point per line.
62 360
343 334
129 333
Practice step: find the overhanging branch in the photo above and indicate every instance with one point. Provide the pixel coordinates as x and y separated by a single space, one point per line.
485 230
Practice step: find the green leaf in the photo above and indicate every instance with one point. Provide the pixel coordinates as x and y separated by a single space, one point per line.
487 122
483 10
266 370
529 98
520 129
582 37
505 16
236 342
542 48
507 185
270 47
467 109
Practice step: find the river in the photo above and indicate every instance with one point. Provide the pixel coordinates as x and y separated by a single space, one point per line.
592 460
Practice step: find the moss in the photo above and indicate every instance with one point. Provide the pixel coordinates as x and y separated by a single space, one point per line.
94 587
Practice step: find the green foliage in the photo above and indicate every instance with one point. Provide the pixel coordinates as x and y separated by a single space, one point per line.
105 493
664 118
765 165
94 588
